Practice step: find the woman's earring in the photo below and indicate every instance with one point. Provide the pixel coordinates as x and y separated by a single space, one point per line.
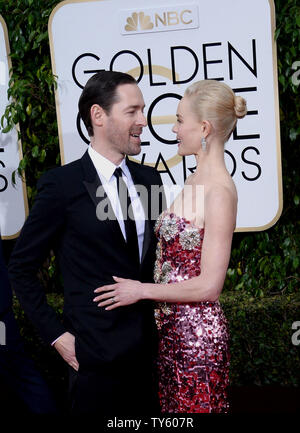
203 143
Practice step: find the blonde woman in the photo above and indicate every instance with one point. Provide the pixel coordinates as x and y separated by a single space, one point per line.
193 252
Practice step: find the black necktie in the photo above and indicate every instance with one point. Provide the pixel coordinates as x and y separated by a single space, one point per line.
130 227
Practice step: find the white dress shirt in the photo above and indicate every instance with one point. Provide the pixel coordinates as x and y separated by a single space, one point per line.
105 170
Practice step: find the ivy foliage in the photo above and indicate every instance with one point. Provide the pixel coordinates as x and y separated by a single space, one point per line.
32 102
31 87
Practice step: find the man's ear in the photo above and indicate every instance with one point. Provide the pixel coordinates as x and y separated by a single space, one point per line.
97 115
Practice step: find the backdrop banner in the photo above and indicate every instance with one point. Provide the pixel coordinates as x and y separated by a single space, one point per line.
166 46
13 197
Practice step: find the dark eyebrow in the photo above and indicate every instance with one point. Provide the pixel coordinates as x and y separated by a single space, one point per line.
134 107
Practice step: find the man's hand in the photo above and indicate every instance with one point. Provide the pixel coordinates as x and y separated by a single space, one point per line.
65 346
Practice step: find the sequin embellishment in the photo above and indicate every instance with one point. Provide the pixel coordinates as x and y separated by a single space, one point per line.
193 358
169 227
189 239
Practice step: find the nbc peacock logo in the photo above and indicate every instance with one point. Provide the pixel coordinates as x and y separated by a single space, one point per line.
158 19
138 21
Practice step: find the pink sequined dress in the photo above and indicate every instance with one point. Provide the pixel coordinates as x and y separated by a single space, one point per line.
193 359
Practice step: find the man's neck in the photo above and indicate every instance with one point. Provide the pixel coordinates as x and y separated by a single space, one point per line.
115 157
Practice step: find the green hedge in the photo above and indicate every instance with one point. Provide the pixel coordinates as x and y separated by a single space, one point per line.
261 349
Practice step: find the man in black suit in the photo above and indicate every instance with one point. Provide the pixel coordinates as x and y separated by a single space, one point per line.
79 211
23 389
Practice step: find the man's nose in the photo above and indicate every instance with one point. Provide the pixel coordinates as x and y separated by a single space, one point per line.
142 119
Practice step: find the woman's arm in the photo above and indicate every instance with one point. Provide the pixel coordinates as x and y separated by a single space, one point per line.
220 218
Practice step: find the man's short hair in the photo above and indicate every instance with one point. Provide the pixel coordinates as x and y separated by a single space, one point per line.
101 89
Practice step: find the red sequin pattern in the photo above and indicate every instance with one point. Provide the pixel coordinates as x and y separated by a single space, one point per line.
193 359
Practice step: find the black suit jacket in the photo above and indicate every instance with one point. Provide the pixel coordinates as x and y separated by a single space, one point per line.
89 252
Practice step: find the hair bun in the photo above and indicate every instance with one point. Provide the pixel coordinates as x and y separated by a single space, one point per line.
240 107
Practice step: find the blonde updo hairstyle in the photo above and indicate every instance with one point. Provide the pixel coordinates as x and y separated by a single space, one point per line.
216 102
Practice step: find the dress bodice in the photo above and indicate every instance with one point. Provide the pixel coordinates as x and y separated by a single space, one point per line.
178 253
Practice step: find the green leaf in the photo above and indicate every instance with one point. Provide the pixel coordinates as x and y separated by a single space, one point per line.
35 152
239 286
34 139
293 134
13 177
29 191
7 129
42 155
22 165
296 263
